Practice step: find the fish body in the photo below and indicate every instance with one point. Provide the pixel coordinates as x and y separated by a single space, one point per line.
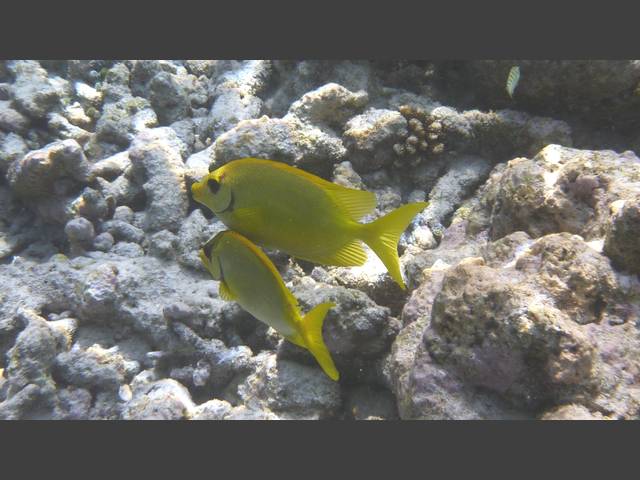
512 80
285 208
248 277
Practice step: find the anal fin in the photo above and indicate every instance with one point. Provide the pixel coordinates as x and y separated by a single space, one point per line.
349 255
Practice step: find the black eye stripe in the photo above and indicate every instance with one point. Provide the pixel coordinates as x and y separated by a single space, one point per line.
213 185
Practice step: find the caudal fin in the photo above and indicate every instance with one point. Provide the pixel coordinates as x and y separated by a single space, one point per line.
383 236
312 325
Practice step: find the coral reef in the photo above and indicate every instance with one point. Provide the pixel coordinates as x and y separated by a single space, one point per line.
523 295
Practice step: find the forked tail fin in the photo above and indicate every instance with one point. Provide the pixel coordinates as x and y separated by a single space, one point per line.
312 325
383 236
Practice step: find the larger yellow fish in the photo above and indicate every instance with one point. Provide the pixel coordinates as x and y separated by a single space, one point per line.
288 209
248 277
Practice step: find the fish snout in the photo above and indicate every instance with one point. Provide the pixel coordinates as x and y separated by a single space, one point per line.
198 190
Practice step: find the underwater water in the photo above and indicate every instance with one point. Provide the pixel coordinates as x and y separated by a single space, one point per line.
417 239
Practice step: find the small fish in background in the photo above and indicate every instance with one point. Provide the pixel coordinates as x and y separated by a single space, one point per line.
512 80
285 208
248 277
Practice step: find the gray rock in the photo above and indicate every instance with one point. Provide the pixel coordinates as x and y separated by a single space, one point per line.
60 127
345 175
111 167
287 140
244 413
297 78
35 174
212 410
226 363
123 213
185 129
30 359
127 249
561 189
33 91
93 368
331 105
199 162
169 97
201 67
157 164
533 354
115 83
80 231
193 233
122 119
93 204
290 390
12 148
356 331
76 116
88 96
123 231
11 120
73 404
163 244
464 174
235 96
530 330
87 70
162 400
5 91
571 412
621 239
21 404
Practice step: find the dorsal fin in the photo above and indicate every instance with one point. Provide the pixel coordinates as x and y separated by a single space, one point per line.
354 203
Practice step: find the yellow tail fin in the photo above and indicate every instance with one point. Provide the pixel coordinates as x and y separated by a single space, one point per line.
383 236
312 327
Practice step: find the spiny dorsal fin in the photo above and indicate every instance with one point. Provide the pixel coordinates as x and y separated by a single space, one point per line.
355 203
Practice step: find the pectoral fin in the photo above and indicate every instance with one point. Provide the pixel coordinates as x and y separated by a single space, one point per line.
225 293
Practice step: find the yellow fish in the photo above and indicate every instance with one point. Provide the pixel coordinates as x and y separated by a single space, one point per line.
248 277
285 208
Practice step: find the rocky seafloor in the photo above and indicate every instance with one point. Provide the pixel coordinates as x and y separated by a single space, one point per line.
523 271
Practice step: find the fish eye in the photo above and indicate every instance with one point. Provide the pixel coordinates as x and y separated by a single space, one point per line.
213 185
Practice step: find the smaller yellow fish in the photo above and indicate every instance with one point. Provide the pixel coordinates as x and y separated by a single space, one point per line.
248 277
